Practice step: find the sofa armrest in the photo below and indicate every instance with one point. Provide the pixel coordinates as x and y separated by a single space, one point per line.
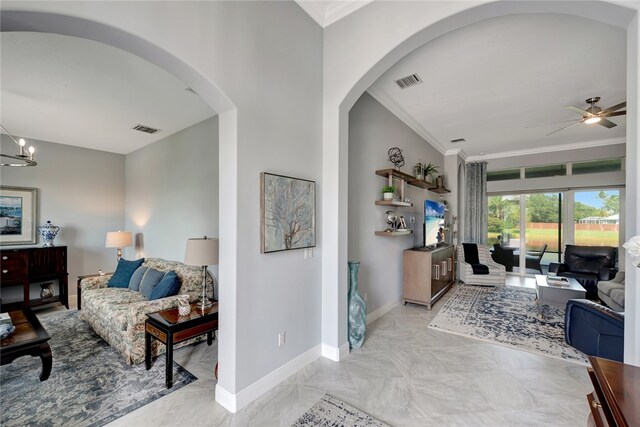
138 310
96 282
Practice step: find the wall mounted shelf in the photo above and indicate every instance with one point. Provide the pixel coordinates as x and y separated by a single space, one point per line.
396 203
394 233
390 174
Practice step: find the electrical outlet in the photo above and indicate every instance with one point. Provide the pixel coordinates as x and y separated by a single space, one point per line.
282 338
412 219
308 253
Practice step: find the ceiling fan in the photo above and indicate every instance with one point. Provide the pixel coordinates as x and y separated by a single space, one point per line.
594 114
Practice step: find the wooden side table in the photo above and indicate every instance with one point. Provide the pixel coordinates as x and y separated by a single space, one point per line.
168 327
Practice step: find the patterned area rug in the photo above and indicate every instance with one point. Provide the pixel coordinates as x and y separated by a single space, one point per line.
332 412
507 316
90 383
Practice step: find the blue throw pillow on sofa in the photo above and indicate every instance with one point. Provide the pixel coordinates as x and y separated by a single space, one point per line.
136 278
150 280
124 271
168 286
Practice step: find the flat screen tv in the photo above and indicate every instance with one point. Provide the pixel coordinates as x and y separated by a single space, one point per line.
433 222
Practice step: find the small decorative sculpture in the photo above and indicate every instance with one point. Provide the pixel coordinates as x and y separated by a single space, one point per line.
357 308
392 218
48 232
47 291
396 157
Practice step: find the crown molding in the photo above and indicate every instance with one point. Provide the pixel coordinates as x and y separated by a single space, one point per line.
390 104
540 150
326 14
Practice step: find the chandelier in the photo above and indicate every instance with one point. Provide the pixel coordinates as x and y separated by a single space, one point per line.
22 158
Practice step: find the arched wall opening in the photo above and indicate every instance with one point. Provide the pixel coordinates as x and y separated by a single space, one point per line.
341 94
29 21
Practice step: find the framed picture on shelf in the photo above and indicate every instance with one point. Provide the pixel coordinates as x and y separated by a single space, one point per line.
18 215
287 213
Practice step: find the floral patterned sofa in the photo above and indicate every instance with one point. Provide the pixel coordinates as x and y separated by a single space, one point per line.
118 314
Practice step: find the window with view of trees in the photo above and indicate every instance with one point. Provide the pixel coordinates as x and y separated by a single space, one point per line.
597 218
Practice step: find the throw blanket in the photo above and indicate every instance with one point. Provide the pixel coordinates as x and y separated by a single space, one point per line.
471 257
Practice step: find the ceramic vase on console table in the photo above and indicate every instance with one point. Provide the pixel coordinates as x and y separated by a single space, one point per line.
357 308
48 233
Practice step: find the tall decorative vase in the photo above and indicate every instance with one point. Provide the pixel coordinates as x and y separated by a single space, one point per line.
357 308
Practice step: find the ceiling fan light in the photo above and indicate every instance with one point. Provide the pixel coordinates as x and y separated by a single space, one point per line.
592 120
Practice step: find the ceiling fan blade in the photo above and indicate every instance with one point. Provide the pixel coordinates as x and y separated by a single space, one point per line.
617 113
567 127
550 123
606 123
615 107
578 110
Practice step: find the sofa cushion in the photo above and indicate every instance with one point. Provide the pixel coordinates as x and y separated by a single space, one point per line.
110 305
168 286
124 271
136 278
150 280
589 259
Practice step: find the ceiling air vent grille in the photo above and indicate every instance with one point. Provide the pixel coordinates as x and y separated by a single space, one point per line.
409 81
145 129
458 141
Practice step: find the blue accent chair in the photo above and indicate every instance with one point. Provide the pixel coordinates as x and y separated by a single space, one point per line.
594 329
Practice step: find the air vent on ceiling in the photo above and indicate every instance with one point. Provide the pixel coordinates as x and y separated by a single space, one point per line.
458 141
409 81
145 129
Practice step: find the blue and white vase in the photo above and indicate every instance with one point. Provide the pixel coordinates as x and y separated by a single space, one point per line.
357 308
48 233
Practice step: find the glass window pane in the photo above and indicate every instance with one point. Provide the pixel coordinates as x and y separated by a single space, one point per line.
502 175
547 170
597 166
597 216
504 220
544 227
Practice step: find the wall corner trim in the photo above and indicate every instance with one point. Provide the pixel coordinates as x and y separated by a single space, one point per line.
335 353
379 312
234 402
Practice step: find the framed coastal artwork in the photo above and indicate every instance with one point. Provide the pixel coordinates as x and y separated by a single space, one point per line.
287 213
18 215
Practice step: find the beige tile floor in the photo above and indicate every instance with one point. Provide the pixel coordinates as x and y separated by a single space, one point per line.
405 374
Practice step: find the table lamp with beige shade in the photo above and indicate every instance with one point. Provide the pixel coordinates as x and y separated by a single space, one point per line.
119 240
202 252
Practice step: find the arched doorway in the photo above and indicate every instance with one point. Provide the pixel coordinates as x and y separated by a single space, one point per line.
346 80
12 20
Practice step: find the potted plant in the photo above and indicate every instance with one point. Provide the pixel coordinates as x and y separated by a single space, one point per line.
430 170
387 192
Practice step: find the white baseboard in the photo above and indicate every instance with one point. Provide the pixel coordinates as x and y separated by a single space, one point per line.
235 402
335 353
376 314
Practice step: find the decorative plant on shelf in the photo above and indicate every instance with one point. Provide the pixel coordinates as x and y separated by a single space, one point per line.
387 192
430 170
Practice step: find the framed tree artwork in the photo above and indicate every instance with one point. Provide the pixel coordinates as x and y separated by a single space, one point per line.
18 215
288 213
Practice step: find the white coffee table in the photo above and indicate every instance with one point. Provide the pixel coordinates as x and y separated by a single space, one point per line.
557 295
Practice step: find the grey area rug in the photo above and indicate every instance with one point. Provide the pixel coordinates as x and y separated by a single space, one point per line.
332 412
90 383
507 316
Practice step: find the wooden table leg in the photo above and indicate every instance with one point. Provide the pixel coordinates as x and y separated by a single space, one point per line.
169 367
209 337
147 350
47 361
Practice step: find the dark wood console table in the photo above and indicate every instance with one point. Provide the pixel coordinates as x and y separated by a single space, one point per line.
615 401
21 267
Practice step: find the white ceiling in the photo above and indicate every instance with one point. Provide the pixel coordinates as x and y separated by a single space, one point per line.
490 81
80 92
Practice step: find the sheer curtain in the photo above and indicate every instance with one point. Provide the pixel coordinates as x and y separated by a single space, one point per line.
475 214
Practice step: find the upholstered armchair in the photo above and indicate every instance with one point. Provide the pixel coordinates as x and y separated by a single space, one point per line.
594 329
497 274
588 265
611 292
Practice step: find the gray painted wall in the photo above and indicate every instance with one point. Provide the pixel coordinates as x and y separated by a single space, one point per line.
82 192
372 131
172 192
